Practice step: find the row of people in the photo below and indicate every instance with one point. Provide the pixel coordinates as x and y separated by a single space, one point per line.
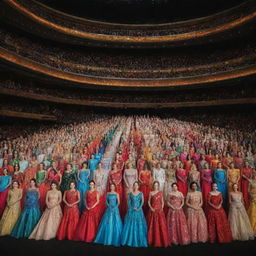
158 229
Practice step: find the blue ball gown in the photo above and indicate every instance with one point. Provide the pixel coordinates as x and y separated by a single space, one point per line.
93 165
82 187
29 216
110 229
135 227
220 178
98 157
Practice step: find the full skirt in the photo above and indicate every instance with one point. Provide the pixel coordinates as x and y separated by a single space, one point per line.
110 229
88 226
197 225
252 215
135 229
68 223
26 222
9 219
218 226
177 227
48 225
157 229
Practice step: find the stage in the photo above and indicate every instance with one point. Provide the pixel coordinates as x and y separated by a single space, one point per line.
10 246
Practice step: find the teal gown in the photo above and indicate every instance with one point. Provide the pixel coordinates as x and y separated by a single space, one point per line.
110 229
82 187
29 216
135 227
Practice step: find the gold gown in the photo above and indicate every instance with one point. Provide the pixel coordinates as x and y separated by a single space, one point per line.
11 213
252 207
234 176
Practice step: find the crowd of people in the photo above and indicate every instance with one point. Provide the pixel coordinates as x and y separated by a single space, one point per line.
131 180
201 94
130 65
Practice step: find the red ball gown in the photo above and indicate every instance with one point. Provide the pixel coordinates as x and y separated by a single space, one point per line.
176 222
206 183
157 226
182 176
218 225
70 217
145 188
247 172
115 177
88 225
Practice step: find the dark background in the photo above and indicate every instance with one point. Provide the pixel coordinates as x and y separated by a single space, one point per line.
141 11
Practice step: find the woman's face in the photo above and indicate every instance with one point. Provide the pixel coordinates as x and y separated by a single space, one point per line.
92 185
174 187
72 185
194 187
112 188
214 187
32 183
235 187
156 186
135 186
53 186
15 184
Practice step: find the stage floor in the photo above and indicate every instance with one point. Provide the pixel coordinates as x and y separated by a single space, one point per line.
10 246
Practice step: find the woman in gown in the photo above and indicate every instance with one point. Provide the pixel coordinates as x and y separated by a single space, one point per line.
83 176
41 182
12 210
159 175
110 228
116 177
176 220
194 176
135 227
238 219
48 225
170 174
129 177
30 214
93 164
29 173
182 176
88 224
246 176
99 176
70 218
220 178
53 174
67 177
234 177
218 225
145 186
202 163
197 223
206 181
157 225
252 207
5 182
18 176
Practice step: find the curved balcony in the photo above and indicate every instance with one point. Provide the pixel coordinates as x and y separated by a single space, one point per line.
59 26
94 68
